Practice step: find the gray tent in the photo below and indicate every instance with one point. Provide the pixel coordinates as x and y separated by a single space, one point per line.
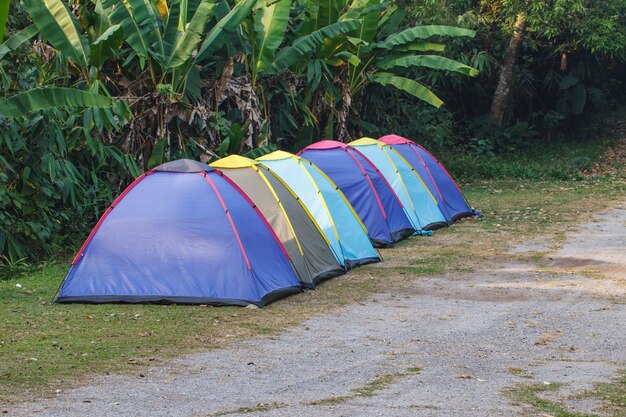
304 242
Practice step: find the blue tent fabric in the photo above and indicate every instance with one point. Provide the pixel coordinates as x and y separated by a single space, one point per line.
366 189
451 200
169 239
332 212
420 205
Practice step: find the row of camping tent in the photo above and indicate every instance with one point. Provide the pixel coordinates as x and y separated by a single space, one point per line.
243 232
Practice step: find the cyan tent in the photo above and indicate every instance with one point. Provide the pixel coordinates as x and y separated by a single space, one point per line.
329 207
373 199
440 183
419 203
181 233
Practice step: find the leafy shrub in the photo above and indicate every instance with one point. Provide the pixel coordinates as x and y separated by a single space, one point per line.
485 138
387 112
54 183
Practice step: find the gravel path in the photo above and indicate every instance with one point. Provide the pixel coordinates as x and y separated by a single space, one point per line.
448 346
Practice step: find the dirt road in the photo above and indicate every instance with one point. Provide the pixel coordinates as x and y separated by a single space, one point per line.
445 346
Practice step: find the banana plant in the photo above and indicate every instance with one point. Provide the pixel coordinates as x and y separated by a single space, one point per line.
376 51
267 30
382 49
167 42
148 52
64 32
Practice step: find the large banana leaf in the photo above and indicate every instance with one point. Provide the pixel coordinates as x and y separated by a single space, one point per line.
259 152
306 44
359 8
428 61
390 22
4 14
192 35
179 15
140 24
329 12
50 97
421 47
60 28
17 40
310 24
406 84
423 32
270 23
106 38
220 33
369 11
173 23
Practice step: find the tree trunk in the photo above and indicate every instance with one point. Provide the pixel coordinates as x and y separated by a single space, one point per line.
507 74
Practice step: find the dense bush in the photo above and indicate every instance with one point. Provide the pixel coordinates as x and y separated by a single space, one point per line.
53 183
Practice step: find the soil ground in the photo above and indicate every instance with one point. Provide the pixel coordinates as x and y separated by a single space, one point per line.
456 344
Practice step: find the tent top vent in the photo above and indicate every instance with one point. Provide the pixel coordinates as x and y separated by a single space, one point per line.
276 156
327 144
366 141
234 161
183 165
395 140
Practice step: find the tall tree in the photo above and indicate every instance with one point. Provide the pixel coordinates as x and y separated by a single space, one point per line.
504 89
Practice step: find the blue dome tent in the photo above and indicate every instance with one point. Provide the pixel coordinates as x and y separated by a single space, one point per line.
181 233
366 189
440 183
419 203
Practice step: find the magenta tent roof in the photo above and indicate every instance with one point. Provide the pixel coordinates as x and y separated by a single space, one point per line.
327 144
395 140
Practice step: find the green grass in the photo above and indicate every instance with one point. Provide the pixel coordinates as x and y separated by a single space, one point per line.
378 383
418 270
531 394
383 381
611 395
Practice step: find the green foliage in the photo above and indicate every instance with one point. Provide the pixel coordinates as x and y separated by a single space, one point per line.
4 14
596 26
17 40
392 111
486 138
533 159
10 268
340 61
305 45
54 183
406 84
49 98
